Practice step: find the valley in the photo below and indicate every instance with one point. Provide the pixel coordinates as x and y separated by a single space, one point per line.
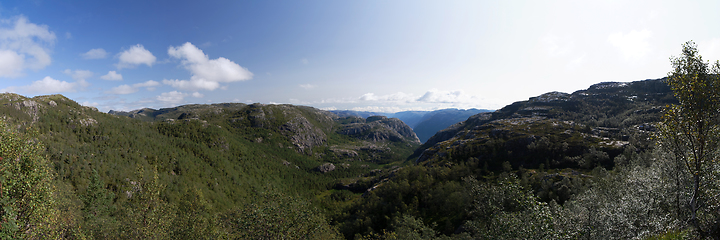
239 171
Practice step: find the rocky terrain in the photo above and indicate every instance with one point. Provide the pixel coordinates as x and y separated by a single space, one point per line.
558 129
305 128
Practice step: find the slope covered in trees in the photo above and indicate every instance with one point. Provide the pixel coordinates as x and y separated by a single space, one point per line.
209 166
586 165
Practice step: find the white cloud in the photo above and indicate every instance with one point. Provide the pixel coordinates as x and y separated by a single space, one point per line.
368 97
11 63
128 89
304 61
23 45
150 85
633 45
79 74
433 96
206 73
436 96
173 97
307 86
112 76
198 95
50 85
95 53
193 84
134 56
88 103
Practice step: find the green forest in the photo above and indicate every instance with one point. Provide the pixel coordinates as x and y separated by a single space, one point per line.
631 160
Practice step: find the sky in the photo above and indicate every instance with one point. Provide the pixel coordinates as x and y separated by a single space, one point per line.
371 55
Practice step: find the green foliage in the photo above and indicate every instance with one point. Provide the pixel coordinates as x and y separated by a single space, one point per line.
98 209
26 199
145 214
240 171
406 227
196 216
436 195
504 210
277 216
691 131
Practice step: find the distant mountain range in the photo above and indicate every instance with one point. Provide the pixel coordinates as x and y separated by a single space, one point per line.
424 123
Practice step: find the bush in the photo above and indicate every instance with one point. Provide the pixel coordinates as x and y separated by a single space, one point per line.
26 200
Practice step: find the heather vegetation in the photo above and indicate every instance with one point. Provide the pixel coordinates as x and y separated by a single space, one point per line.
616 161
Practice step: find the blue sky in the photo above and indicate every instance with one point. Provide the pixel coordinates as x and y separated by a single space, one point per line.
363 55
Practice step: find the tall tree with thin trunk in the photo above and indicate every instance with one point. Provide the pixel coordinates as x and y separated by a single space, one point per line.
691 129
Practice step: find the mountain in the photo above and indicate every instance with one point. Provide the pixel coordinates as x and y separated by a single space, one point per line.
423 123
223 157
411 118
437 120
607 116
244 171
556 146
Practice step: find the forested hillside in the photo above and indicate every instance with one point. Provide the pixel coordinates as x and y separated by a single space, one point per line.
588 165
615 161
210 164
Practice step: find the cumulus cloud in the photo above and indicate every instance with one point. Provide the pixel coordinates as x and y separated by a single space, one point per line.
173 97
435 96
23 45
192 84
112 76
198 95
206 73
128 89
78 74
368 97
95 53
431 99
50 85
135 56
633 45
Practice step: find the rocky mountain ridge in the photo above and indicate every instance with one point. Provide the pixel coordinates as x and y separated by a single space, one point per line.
306 128
605 117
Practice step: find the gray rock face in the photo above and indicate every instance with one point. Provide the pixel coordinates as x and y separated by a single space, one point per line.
30 107
380 128
303 134
326 167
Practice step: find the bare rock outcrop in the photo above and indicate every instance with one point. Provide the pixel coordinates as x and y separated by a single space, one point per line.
379 129
326 167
